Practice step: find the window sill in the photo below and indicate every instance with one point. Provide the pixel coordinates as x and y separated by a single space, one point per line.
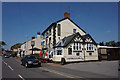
77 50
90 51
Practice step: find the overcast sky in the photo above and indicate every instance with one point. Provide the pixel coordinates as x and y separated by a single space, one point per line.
19 19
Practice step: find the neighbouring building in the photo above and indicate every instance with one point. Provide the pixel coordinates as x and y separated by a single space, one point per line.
64 39
109 53
25 47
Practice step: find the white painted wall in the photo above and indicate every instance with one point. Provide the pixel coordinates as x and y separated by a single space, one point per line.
26 46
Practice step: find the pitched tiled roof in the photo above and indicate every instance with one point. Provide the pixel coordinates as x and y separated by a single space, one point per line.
67 40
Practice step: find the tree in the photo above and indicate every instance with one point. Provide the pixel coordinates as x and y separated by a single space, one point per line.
113 43
118 43
107 44
101 43
2 43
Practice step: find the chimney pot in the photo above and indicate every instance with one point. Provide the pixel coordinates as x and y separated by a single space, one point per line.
33 37
66 15
38 33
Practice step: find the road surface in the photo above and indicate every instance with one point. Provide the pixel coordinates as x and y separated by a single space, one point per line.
11 69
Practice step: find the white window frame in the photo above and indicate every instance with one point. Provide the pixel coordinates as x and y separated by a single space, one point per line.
59 49
77 46
91 46
80 45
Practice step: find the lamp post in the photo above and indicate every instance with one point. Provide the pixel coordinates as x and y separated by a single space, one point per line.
32 44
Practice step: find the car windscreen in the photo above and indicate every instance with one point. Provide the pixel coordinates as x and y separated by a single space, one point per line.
31 57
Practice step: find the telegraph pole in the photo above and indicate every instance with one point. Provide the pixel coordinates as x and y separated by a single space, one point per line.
26 44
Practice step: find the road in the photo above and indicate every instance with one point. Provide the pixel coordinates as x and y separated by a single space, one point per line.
11 69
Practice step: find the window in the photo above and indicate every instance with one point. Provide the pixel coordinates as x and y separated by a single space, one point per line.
69 51
59 30
73 46
80 46
49 41
50 32
46 42
59 52
90 47
74 31
77 46
43 36
47 35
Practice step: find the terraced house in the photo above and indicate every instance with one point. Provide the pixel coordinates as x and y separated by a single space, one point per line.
65 41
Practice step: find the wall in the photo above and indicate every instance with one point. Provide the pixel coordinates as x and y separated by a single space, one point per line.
26 46
94 55
66 29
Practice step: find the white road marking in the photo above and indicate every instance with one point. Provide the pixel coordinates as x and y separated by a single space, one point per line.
5 62
10 67
21 77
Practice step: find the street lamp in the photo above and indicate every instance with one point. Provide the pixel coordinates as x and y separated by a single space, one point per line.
32 44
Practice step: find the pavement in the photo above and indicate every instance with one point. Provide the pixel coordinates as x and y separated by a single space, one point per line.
11 68
109 68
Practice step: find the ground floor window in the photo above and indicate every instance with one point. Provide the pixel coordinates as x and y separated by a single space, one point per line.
59 52
89 47
77 46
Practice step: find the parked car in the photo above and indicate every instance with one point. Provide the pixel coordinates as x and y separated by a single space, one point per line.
29 61
7 55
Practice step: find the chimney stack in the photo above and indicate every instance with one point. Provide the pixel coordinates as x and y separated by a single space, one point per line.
33 37
38 34
66 15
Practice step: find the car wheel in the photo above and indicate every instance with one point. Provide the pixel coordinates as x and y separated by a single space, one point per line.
39 65
63 61
26 65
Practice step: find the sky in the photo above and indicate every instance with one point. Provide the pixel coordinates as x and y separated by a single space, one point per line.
21 19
